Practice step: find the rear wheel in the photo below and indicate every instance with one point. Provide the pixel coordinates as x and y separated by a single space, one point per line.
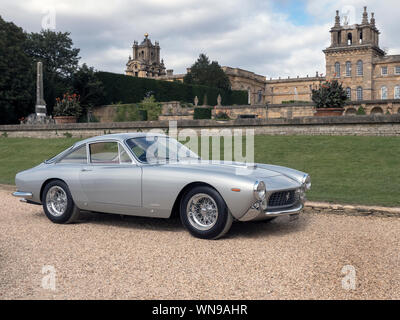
204 213
58 204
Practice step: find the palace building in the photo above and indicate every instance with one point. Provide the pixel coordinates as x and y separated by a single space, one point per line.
145 61
370 77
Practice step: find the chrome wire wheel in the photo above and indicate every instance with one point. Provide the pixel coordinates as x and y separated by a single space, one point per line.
56 201
202 211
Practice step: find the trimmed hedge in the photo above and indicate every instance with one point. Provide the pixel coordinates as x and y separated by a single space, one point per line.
119 88
202 113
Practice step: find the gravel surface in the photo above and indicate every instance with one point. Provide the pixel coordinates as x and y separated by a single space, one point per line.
106 256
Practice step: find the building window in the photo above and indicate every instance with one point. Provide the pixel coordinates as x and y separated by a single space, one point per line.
361 37
349 39
348 69
397 70
397 92
384 71
359 93
384 93
259 96
360 68
337 70
348 92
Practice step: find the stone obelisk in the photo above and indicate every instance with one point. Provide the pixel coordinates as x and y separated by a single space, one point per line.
40 103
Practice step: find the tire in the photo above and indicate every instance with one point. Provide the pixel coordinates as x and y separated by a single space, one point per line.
58 204
212 221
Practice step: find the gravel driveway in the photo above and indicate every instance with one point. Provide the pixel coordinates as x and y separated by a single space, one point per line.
107 256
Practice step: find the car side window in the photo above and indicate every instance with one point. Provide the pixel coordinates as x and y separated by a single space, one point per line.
78 156
104 152
123 156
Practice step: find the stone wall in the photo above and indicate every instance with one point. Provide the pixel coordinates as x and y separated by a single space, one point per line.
377 125
290 111
105 113
236 112
298 89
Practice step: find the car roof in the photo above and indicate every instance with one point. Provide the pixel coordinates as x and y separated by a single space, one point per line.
119 137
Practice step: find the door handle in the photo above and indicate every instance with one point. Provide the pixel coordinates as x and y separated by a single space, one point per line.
86 170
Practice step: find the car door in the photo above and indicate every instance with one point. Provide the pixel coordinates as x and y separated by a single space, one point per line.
111 180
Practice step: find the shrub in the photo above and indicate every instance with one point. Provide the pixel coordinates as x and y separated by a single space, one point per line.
361 111
69 105
148 109
202 113
128 89
142 115
330 95
222 116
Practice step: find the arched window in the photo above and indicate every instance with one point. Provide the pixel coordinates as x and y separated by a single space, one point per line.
348 69
397 92
349 39
337 70
377 110
384 93
348 92
359 93
259 96
360 68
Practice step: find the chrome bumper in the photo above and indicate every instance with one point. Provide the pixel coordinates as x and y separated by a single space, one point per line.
24 195
259 214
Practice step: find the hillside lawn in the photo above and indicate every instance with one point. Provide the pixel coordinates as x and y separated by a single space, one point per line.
348 169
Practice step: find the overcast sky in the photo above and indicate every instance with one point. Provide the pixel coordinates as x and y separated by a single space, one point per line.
271 38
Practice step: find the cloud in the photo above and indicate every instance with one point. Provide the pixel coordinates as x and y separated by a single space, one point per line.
260 36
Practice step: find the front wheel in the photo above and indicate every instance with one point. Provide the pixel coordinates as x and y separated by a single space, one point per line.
58 204
204 213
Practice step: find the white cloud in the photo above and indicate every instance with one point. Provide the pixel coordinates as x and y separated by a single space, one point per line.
252 35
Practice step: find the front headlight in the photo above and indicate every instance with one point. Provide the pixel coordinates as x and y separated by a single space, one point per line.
306 182
259 190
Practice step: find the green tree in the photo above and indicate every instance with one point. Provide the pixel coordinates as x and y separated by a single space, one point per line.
16 74
329 95
60 60
88 86
204 72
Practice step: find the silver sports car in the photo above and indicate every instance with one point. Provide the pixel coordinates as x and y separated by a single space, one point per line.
153 175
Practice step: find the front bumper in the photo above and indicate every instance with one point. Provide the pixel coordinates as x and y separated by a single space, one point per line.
257 213
25 196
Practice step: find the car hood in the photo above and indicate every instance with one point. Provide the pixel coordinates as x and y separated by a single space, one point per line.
255 171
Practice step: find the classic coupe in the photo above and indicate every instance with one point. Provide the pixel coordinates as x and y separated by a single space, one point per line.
153 175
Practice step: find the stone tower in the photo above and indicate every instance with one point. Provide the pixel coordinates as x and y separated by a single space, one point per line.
145 61
351 55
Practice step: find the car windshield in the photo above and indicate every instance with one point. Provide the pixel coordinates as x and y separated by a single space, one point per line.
153 149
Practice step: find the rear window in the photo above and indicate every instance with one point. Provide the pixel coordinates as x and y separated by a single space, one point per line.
76 156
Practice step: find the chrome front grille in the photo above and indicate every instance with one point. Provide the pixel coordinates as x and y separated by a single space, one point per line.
282 199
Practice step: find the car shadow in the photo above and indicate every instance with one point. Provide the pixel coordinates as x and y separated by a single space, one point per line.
258 229
280 226
144 223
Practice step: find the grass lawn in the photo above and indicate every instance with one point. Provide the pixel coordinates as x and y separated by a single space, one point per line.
358 170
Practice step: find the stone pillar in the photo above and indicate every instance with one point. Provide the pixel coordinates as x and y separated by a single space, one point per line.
40 103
